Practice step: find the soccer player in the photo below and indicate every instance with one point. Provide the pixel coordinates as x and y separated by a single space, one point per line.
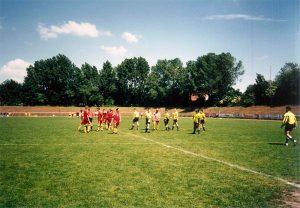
196 119
156 119
166 120
85 121
104 119
148 120
290 122
175 120
100 119
116 120
202 120
136 117
91 115
110 114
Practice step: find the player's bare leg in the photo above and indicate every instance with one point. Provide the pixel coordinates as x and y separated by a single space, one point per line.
289 137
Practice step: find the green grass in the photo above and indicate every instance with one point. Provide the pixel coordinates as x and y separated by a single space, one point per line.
45 162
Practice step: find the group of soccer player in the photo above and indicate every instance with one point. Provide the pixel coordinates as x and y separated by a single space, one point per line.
109 119
155 119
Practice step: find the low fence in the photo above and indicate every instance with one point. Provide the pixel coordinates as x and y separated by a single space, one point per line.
249 116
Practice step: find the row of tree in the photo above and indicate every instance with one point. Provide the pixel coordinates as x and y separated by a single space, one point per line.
57 81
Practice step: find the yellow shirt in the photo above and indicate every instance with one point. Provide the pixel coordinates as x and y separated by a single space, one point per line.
135 114
289 118
202 116
196 117
167 115
175 115
148 115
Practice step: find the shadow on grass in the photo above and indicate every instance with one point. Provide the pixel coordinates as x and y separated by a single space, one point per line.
276 143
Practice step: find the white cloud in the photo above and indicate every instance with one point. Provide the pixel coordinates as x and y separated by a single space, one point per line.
131 38
72 28
242 17
115 51
14 69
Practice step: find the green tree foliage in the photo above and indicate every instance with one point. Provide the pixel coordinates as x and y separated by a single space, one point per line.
108 83
214 75
10 93
89 87
260 89
169 78
248 97
50 82
288 81
231 98
131 78
57 81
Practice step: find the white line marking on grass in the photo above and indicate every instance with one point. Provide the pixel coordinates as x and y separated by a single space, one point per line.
73 144
220 161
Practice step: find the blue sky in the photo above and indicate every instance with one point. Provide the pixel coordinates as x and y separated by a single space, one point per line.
263 34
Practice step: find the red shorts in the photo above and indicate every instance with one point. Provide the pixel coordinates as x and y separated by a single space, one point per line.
109 120
85 121
117 123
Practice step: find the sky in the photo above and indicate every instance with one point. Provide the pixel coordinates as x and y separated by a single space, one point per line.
263 34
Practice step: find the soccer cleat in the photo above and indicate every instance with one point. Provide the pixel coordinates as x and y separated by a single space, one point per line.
286 144
295 141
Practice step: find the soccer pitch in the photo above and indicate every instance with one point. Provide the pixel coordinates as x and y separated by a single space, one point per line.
235 163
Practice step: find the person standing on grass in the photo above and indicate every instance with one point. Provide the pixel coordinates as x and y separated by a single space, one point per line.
166 120
85 121
100 119
136 117
202 120
196 119
110 114
290 123
91 115
156 119
104 119
116 120
175 120
148 120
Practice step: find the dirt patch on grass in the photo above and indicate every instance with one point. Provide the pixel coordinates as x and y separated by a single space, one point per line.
292 200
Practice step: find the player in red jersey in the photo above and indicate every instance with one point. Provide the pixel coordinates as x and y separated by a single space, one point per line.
85 120
104 118
116 120
110 114
91 115
100 119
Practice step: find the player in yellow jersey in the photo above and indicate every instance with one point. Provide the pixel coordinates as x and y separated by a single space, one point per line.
202 120
135 120
196 119
175 120
166 120
148 116
290 122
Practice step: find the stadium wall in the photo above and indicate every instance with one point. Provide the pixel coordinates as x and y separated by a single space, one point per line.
254 112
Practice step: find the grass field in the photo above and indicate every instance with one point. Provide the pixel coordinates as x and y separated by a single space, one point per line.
45 162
